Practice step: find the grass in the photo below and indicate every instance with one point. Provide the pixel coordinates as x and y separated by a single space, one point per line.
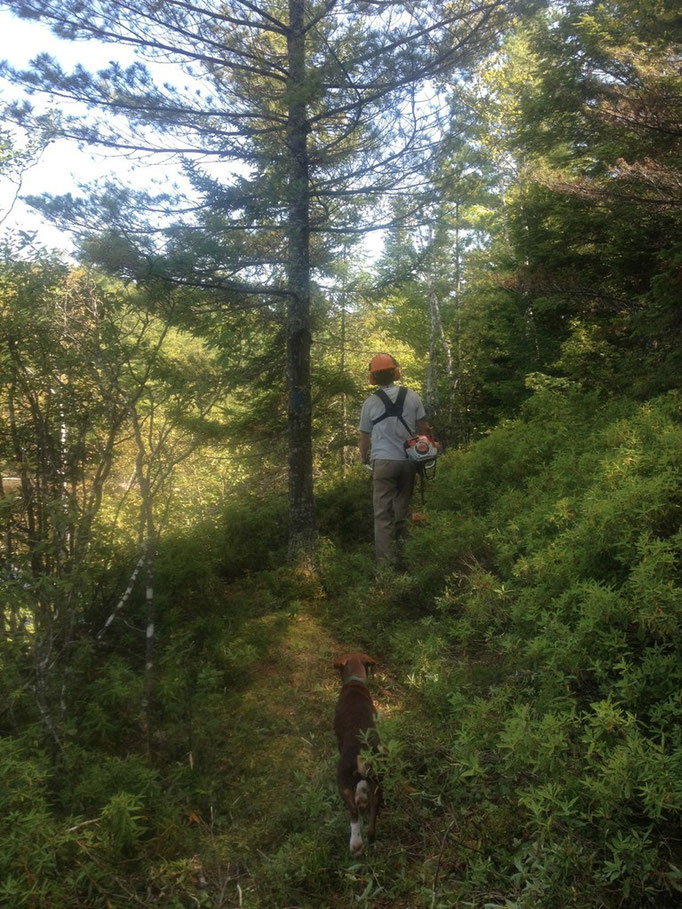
281 825
528 692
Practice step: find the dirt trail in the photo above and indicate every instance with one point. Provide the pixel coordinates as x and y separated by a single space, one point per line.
294 689
280 755
279 730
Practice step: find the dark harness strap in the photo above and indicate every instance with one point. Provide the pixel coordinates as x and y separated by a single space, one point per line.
393 408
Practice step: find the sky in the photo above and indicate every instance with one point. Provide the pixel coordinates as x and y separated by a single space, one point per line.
63 166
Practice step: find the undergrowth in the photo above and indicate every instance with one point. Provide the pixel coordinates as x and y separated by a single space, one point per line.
529 690
549 658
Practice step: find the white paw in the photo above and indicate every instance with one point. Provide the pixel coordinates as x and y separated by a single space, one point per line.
356 844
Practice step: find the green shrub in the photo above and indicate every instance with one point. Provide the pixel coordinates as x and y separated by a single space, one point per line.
254 536
548 662
344 510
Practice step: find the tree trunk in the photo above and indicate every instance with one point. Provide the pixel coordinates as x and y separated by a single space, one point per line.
301 507
438 337
432 403
344 397
147 541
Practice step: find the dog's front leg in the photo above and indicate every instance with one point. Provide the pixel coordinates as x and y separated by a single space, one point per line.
356 844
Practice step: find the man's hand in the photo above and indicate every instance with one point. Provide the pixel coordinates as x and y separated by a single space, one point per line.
363 445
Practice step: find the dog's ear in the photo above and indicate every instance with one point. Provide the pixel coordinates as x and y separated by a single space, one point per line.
340 663
368 662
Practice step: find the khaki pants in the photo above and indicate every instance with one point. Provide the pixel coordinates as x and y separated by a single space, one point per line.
393 486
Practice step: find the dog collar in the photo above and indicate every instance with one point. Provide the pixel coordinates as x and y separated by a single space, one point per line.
354 678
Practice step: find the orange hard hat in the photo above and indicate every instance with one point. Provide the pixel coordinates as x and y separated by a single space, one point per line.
379 363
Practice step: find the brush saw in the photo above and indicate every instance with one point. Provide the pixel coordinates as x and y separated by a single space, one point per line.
422 451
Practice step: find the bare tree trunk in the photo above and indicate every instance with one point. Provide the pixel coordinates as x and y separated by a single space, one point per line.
301 506
438 338
147 538
10 617
28 496
531 325
125 596
502 188
150 632
33 508
344 400
456 383
432 403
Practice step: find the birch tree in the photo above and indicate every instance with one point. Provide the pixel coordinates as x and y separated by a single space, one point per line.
88 381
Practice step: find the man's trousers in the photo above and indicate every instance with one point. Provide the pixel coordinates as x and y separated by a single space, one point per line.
393 486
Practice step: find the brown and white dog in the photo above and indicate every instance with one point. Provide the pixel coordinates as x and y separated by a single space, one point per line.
354 725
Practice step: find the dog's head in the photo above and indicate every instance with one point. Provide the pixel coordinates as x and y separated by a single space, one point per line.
354 666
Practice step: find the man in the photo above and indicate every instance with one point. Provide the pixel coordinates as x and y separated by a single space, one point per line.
384 427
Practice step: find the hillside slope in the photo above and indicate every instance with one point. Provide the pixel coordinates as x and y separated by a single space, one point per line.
529 691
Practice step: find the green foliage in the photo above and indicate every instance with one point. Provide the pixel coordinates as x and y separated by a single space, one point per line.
121 823
563 637
46 860
28 852
345 510
528 690
573 209
255 535
530 668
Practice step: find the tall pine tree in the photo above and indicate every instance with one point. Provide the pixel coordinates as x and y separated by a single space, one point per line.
305 109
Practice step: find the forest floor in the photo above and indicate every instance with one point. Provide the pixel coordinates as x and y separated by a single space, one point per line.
280 839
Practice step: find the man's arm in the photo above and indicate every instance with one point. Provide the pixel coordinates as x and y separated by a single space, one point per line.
363 444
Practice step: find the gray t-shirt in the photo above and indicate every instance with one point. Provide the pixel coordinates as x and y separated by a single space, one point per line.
389 435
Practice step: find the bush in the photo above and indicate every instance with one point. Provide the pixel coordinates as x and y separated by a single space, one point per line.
565 709
254 535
